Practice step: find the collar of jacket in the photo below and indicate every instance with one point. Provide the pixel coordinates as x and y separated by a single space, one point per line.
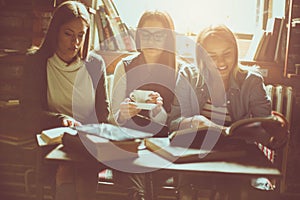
235 84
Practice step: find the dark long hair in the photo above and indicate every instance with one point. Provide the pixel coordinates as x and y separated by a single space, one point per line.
64 13
168 56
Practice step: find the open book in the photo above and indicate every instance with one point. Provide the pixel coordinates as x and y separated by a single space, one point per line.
270 131
112 132
191 145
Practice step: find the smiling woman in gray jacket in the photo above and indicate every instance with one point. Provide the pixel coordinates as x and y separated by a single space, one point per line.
216 93
219 84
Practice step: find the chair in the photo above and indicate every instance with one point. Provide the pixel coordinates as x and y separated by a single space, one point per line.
282 101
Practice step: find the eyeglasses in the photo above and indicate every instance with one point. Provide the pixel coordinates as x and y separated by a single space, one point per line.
158 36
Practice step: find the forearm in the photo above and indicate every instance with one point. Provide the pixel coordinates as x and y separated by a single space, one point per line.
160 117
185 123
118 93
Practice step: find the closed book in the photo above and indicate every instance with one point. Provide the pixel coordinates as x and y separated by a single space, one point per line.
278 57
107 142
274 29
176 154
99 148
54 135
105 150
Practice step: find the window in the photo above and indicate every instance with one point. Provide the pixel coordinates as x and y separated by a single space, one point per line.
190 16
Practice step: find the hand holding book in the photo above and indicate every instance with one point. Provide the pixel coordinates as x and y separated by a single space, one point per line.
271 131
200 122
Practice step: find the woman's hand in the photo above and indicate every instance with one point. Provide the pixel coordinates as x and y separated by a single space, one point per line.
127 110
156 99
70 122
199 121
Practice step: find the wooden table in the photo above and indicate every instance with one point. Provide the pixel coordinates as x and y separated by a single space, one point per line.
147 162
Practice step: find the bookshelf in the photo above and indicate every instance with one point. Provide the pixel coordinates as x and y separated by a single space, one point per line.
113 34
266 44
292 49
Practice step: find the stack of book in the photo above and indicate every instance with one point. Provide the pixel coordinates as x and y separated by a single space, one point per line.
54 135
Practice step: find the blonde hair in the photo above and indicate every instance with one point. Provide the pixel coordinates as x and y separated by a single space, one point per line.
220 31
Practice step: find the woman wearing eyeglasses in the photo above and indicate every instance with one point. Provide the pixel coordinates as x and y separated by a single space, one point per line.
153 67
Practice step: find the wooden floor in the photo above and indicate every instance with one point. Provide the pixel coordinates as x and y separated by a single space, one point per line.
109 192
105 192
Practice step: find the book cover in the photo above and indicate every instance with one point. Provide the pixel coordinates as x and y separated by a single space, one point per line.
278 57
176 154
105 142
54 135
106 150
274 28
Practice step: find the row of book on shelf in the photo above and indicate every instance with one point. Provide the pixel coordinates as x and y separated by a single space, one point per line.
266 44
113 34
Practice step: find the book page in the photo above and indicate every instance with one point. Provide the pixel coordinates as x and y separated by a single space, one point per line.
54 135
